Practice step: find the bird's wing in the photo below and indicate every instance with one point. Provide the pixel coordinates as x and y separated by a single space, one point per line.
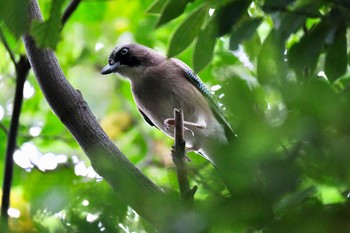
147 119
197 82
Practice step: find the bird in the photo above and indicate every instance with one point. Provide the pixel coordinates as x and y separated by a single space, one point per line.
159 85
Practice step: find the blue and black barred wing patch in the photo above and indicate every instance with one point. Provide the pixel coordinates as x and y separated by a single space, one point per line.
195 80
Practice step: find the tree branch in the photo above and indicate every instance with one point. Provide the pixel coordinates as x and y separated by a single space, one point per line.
179 159
67 103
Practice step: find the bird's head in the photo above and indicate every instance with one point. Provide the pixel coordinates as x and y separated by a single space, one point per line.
131 60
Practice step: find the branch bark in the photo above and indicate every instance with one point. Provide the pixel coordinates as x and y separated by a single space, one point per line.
128 182
179 159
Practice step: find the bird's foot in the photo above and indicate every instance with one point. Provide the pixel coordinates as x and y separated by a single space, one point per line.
192 148
170 122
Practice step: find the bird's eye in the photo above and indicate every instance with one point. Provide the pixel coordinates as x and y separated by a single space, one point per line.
124 51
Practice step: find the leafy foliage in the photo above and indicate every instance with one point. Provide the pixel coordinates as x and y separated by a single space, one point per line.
283 69
171 10
47 33
11 14
187 31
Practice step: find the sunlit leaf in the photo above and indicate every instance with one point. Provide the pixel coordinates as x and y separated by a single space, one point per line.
336 58
47 33
187 31
156 7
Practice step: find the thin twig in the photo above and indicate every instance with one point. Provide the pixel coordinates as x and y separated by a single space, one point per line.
4 41
179 159
22 69
73 5
3 128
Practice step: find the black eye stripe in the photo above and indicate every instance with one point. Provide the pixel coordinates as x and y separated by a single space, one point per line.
124 56
132 62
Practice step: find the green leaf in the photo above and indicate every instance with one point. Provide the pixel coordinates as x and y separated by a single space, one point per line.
252 47
271 65
244 31
289 23
47 33
204 48
13 13
273 5
171 10
229 14
294 199
342 82
156 7
42 189
303 55
336 58
187 31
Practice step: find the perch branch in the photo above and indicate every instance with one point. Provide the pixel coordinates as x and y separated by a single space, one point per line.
179 159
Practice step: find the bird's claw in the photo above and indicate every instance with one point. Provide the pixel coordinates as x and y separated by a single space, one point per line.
188 130
170 122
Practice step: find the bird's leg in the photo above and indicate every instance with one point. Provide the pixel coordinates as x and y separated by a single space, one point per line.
198 125
170 122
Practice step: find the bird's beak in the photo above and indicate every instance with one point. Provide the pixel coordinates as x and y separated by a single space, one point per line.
110 68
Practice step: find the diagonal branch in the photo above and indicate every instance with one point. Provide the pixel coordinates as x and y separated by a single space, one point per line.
4 41
3 128
73 5
127 181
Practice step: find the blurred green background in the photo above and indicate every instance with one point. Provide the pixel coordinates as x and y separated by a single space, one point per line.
280 69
